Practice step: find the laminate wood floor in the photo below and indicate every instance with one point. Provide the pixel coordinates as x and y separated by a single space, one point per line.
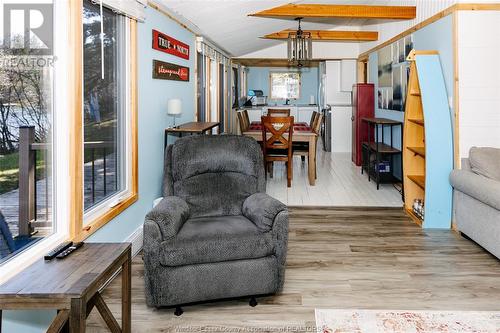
339 183
340 258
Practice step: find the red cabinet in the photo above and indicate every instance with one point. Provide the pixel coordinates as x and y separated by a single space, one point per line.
363 105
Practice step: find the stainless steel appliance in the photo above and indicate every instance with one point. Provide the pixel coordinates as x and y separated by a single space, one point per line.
326 128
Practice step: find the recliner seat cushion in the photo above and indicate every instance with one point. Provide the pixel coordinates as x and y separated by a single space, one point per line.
216 239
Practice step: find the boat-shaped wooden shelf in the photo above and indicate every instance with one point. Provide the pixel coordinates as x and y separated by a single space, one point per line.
428 142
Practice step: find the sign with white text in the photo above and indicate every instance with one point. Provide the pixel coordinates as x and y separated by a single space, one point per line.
167 71
167 44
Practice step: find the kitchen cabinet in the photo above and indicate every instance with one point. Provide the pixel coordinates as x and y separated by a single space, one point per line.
254 114
341 129
347 74
305 114
333 86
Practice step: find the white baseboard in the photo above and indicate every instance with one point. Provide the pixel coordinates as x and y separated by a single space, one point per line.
136 238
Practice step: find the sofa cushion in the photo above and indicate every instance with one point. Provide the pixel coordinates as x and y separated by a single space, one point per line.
215 239
485 161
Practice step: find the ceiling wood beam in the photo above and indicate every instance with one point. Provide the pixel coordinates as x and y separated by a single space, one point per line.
261 62
327 35
340 11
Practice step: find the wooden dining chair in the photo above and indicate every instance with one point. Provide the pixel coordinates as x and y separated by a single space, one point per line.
313 118
242 119
278 112
279 146
302 148
246 118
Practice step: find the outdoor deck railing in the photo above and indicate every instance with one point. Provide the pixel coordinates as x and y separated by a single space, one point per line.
30 215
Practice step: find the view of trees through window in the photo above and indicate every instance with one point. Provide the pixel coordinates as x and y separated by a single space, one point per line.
103 105
285 85
25 149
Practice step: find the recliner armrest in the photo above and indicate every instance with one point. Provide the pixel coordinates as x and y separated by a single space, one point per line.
262 209
169 214
479 187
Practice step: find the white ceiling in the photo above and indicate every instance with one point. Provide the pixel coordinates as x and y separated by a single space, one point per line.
226 22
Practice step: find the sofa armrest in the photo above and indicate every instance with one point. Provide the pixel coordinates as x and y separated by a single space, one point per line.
169 214
479 187
262 210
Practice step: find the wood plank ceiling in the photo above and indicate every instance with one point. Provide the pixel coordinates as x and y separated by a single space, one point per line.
330 11
227 22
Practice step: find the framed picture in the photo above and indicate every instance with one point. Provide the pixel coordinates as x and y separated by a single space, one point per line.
402 50
395 53
408 45
385 67
388 105
397 88
380 98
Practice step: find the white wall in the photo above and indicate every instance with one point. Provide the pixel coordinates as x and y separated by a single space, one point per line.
479 79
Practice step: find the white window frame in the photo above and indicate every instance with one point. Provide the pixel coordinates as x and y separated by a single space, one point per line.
60 156
112 201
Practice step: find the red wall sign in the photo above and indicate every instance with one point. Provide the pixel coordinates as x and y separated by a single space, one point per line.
167 71
162 42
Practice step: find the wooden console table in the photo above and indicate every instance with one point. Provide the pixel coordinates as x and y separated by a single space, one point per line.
72 286
192 128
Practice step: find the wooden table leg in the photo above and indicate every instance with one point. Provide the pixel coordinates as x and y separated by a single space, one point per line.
312 161
77 315
59 322
0 321
126 294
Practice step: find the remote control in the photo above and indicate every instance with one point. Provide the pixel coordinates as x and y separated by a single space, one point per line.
69 250
52 254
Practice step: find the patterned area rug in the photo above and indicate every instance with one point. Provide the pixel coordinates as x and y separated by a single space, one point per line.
383 321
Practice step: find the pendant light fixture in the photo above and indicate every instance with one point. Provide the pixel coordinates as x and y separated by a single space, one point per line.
299 46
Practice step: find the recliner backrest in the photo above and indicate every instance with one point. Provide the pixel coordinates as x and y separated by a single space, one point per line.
214 174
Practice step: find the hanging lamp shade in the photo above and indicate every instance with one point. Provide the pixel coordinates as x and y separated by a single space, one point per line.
299 47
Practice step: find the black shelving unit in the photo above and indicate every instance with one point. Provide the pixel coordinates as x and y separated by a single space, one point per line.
377 151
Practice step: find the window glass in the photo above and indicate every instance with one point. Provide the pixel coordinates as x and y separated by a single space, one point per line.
103 104
285 85
26 118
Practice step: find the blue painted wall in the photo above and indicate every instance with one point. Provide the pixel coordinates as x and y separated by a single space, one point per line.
152 111
258 78
436 36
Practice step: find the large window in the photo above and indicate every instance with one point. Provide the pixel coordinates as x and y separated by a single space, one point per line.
26 124
104 104
285 85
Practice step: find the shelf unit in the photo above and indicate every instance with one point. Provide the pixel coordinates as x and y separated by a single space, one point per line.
427 142
377 151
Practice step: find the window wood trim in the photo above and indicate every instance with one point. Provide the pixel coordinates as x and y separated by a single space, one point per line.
79 231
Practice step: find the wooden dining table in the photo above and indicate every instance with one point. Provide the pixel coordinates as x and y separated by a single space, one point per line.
298 136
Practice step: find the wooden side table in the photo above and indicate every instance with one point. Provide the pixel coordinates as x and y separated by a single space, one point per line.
72 285
199 127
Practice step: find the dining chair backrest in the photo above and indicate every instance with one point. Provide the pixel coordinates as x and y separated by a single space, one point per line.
316 126
278 127
278 112
313 117
241 119
246 118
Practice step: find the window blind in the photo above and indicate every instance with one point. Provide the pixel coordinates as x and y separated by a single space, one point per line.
133 9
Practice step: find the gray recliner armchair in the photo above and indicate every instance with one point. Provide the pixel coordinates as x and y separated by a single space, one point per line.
215 234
